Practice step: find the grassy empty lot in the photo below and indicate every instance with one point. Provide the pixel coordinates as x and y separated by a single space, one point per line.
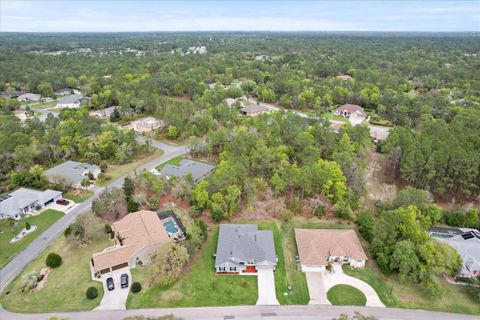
66 285
78 198
117 171
345 295
9 250
199 286
394 293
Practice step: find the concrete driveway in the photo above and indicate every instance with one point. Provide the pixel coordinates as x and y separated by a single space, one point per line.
115 299
320 282
266 287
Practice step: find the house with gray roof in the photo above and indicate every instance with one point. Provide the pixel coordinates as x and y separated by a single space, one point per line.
252 110
71 173
70 101
63 91
29 97
242 248
198 170
23 201
466 242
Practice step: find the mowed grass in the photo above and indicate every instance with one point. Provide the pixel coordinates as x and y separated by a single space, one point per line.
394 293
9 250
345 295
117 171
66 285
78 198
175 162
44 104
290 283
331 116
198 286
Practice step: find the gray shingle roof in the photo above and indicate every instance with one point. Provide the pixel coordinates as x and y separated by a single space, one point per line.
72 171
243 243
73 98
14 202
198 170
468 247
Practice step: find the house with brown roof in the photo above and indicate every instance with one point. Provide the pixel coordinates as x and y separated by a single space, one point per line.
318 247
138 236
354 113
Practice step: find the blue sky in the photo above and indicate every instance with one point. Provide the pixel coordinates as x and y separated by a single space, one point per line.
106 16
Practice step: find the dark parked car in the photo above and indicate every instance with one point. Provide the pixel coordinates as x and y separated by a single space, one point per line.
124 280
63 202
110 285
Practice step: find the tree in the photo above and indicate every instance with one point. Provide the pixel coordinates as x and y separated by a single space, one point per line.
366 224
218 206
168 264
30 280
200 195
343 210
91 293
411 196
172 132
45 89
111 202
132 205
85 182
136 287
53 260
128 188
27 226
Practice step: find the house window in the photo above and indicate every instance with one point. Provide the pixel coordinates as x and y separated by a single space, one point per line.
233 269
221 269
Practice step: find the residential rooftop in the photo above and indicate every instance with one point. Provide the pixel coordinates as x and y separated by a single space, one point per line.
198 170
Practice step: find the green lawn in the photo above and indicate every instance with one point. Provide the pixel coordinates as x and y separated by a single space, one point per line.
175 161
44 105
42 221
78 198
199 286
394 293
117 171
345 295
331 116
66 285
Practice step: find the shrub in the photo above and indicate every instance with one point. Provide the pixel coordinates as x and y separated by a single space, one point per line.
53 260
342 210
136 287
27 226
107 228
132 206
366 223
92 293
67 231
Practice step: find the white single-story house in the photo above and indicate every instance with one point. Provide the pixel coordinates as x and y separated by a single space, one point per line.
72 173
318 247
103 113
29 97
70 101
23 201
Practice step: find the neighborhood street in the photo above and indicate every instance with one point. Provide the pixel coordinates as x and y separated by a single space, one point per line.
248 312
16 265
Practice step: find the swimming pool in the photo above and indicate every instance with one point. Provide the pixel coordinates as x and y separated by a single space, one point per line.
170 226
440 235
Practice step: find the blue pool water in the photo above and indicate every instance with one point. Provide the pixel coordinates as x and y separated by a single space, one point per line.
170 227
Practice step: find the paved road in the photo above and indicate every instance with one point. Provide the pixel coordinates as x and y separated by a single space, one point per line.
16 265
249 312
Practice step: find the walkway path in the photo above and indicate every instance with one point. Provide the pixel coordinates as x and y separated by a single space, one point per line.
325 280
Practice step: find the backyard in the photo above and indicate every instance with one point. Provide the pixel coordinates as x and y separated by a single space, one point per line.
66 285
42 221
116 171
174 161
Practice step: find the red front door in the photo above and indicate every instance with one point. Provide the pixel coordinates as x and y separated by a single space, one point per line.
250 269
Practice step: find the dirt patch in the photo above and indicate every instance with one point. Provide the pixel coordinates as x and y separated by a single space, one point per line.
378 189
44 274
168 200
172 295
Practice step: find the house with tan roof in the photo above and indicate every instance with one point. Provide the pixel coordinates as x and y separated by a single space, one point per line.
138 236
318 247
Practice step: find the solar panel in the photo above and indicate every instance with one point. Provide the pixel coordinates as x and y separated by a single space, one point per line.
467 236
4 197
